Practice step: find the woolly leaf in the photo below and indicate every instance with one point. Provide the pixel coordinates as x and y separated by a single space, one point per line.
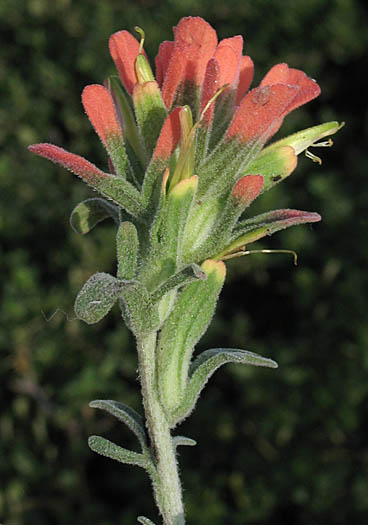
111 450
137 310
90 212
97 297
145 521
185 325
127 248
182 440
203 368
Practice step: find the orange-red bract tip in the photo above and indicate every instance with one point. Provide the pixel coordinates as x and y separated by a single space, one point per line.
260 111
283 74
169 137
124 49
72 162
99 106
246 74
194 45
247 189
229 55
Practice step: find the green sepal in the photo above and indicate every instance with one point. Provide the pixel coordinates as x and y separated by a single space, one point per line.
137 310
204 366
189 274
130 130
90 212
175 216
150 112
122 193
127 250
145 521
183 441
274 165
185 325
302 140
107 448
127 415
97 297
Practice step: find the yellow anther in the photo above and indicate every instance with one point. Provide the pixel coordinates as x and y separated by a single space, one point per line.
141 32
240 253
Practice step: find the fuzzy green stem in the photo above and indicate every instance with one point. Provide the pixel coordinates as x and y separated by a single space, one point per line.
167 489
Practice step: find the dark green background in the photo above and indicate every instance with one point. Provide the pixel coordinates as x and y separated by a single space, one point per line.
274 447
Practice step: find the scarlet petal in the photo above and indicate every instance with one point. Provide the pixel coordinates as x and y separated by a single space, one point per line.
194 45
245 77
100 109
162 60
260 111
70 161
169 137
124 49
247 189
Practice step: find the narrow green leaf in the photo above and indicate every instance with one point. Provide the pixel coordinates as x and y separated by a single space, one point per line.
203 368
185 325
104 447
182 440
97 297
145 521
187 275
90 212
127 249
127 415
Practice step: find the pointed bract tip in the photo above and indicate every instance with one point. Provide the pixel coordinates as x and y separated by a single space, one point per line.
78 165
217 268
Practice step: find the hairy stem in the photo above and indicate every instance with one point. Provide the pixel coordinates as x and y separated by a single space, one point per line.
167 489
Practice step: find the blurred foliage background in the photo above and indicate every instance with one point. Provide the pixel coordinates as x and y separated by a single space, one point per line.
274 447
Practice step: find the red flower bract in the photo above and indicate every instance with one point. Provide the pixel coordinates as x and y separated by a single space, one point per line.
196 117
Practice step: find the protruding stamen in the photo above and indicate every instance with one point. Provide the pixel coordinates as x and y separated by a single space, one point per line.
141 32
313 157
324 144
240 253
